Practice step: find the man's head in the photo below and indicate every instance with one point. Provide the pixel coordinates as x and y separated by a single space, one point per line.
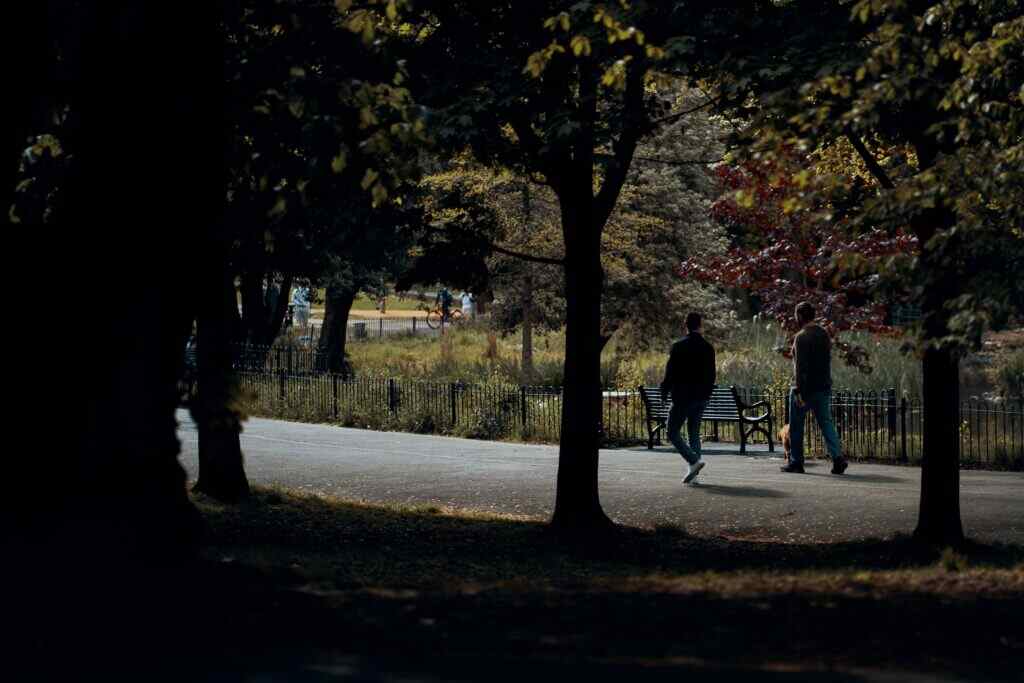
804 313
693 322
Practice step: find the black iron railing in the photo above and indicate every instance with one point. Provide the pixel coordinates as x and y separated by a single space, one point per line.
289 383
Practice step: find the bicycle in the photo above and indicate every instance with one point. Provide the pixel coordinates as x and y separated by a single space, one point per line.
435 318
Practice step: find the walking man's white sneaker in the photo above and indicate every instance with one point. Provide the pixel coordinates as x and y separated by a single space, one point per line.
695 469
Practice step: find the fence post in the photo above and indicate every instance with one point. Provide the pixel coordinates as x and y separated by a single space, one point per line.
890 413
381 332
522 405
280 388
903 429
392 396
334 393
414 327
290 371
452 388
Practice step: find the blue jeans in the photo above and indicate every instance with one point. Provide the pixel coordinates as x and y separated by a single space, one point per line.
689 412
819 403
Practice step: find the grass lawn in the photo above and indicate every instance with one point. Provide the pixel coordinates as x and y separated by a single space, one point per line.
366 303
296 587
395 303
746 358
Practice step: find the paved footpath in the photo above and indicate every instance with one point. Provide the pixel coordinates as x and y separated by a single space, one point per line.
740 497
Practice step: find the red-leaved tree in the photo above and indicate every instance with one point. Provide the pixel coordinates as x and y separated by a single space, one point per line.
789 247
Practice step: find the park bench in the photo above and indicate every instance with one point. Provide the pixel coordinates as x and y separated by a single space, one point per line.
725 405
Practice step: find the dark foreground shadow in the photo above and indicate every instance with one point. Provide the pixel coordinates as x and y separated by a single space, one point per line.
878 478
740 491
299 588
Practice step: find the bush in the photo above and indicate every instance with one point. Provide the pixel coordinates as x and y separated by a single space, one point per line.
365 417
1010 374
487 423
420 420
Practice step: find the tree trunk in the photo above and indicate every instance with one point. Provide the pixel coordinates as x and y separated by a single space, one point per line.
939 516
254 313
27 41
221 466
528 372
117 469
939 512
276 319
577 502
337 304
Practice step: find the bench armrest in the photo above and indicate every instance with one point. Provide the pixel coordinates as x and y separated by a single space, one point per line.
759 404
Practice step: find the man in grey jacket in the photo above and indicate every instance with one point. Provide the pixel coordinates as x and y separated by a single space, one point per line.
690 379
812 391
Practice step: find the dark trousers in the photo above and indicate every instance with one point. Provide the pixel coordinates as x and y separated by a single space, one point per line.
689 412
820 404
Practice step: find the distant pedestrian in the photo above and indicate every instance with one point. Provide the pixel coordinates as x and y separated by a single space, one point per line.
444 302
300 301
272 292
811 391
467 304
690 381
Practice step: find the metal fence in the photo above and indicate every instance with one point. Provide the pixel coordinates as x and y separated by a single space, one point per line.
870 424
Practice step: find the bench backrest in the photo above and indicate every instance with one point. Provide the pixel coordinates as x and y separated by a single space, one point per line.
722 405
656 408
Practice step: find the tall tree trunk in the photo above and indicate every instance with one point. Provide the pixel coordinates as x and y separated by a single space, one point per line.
577 502
528 371
337 304
221 466
939 512
527 300
277 315
254 313
260 326
118 468
27 43
939 515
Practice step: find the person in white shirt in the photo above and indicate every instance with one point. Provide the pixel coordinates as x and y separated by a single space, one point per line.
467 304
300 304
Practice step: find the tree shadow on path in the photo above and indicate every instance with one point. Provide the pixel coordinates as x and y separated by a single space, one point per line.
739 491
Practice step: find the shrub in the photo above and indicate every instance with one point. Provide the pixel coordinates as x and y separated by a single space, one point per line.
420 420
952 561
486 422
1010 374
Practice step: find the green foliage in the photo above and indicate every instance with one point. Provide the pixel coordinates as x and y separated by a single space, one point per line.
1010 374
321 146
928 92
487 422
952 561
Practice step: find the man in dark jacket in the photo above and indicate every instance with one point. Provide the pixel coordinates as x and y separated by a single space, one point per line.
811 391
690 379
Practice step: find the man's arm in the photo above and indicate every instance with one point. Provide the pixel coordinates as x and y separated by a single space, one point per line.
669 370
713 370
800 368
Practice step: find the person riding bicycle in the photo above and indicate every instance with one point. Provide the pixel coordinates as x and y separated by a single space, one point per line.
444 301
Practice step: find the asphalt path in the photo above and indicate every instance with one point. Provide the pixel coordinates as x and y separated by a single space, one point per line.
737 497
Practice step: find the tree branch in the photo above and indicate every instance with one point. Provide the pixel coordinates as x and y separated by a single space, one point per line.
869 160
530 142
671 118
669 162
527 257
624 148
